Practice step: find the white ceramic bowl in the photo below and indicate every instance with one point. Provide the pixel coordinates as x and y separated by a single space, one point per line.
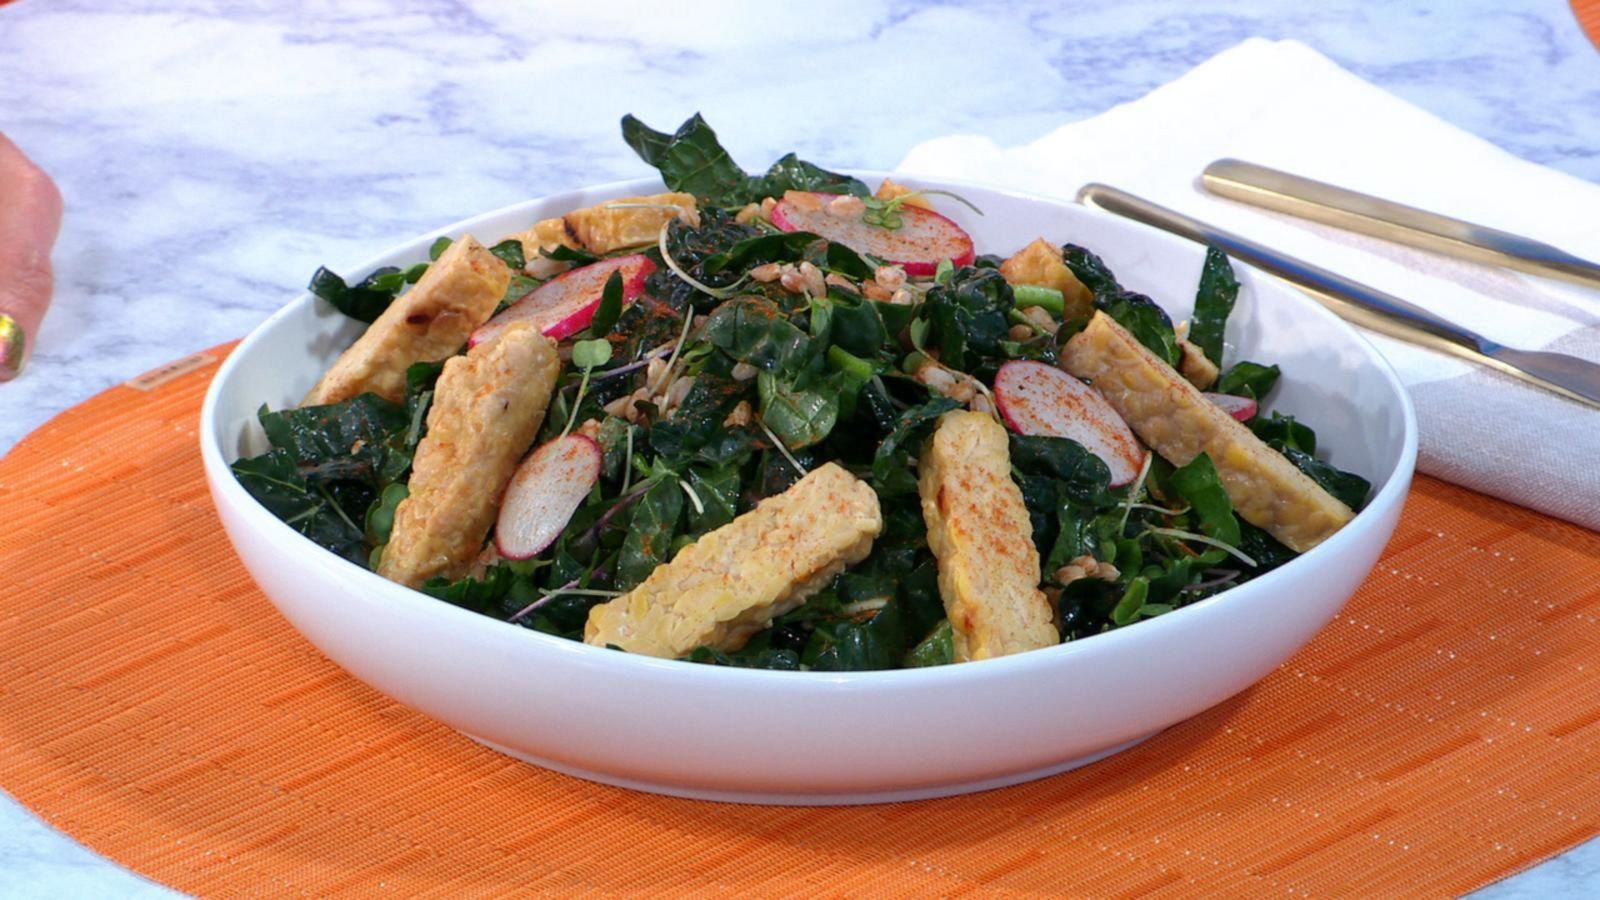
825 738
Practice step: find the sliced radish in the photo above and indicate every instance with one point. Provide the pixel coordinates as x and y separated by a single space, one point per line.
1241 408
565 305
922 240
1039 399
546 490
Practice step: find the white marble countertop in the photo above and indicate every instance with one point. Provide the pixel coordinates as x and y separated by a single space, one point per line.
212 155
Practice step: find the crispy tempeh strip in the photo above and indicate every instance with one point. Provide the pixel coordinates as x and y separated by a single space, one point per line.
427 323
487 408
978 529
1040 263
615 224
733 581
1178 422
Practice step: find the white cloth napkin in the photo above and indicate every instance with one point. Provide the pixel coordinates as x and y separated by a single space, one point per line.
1282 104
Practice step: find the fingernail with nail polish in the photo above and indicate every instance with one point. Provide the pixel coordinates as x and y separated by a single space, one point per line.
13 347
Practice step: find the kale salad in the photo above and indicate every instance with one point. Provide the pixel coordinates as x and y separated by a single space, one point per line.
734 422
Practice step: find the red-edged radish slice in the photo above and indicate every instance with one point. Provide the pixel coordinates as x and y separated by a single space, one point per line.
546 490
922 240
1039 399
1241 408
565 305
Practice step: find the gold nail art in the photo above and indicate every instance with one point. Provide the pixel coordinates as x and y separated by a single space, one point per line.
13 347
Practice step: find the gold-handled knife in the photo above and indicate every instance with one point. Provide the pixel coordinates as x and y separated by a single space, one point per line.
1353 211
1369 307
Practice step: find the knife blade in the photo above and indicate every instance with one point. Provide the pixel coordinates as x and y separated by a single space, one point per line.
1568 376
1353 211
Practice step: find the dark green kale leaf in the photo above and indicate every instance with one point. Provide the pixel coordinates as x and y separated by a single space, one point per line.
610 308
1262 547
1090 270
1284 432
1079 475
367 299
695 432
651 528
937 649
1213 302
360 439
1346 487
615 434
1146 320
690 160
918 592
329 464
757 654
839 258
1298 443
563 253
1201 488
798 417
420 380
693 160
1075 535
849 645
1134 311
647 323
755 331
690 247
1248 379
896 317
275 480
501 590
510 252
774 474
967 317
718 491
891 465
786 246
1040 497
858 327
793 174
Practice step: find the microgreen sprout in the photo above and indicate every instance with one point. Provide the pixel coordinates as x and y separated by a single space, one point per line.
586 355
627 462
886 213
1133 491
1180 534
570 589
782 449
666 257
666 373
699 508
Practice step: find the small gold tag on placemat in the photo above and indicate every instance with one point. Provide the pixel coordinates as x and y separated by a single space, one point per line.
160 375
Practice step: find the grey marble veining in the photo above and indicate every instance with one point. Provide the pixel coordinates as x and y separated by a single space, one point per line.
213 154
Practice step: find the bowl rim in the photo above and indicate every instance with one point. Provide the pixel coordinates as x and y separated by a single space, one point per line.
226 488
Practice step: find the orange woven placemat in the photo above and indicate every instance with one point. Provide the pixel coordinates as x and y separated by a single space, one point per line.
1443 732
1588 13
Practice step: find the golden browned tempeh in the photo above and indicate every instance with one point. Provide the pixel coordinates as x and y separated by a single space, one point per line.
978 529
734 580
1178 422
425 324
487 407
613 225
1041 263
